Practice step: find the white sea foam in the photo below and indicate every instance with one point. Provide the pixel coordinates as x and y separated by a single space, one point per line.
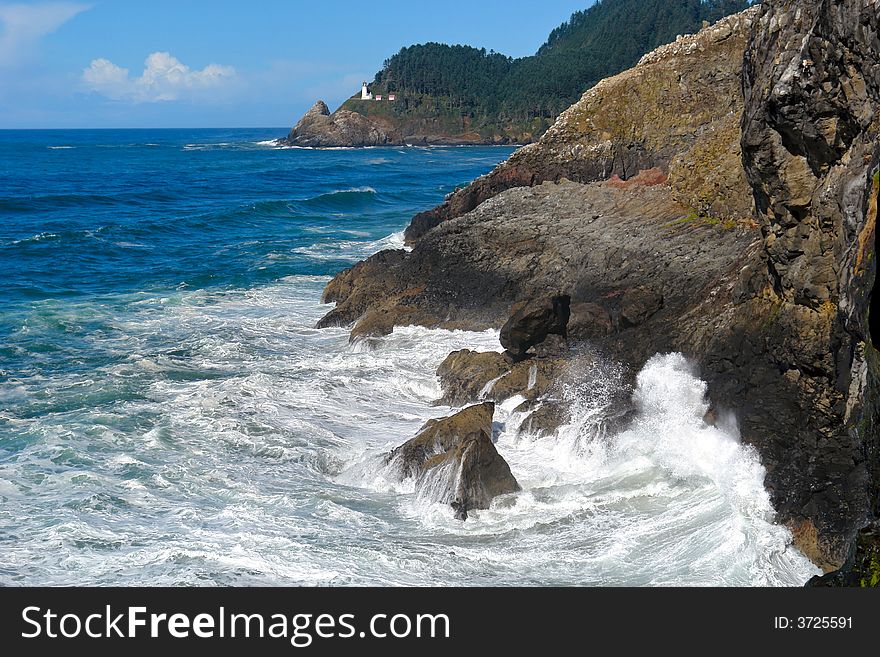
669 501
393 241
351 249
39 237
206 147
352 190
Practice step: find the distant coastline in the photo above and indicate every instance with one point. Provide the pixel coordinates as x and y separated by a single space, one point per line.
441 94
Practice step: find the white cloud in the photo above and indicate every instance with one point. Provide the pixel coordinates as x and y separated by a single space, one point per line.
164 78
24 25
103 72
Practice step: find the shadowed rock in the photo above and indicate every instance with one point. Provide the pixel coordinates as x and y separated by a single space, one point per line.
862 565
531 322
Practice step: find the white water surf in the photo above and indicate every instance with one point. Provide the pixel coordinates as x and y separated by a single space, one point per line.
249 449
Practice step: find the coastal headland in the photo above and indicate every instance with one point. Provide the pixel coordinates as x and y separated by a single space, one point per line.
719 199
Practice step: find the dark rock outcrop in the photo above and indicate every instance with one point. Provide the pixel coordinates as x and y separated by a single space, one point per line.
456 462
641 246
318 128
532 321
794 350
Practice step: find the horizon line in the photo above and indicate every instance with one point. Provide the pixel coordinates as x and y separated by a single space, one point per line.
221 127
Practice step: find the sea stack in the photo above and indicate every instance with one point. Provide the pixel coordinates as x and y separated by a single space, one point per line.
318 128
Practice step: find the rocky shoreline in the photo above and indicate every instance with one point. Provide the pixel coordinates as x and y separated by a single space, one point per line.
728 214
319 128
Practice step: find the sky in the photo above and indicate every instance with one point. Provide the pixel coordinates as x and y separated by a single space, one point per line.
228 63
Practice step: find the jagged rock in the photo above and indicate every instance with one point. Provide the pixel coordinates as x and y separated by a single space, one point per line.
599 242
480 475
455 460
553 346
795 356
531 322
318 128
372 292
589 320
465 375
638 305
375 323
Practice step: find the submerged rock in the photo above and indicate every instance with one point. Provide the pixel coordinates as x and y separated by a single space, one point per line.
455 461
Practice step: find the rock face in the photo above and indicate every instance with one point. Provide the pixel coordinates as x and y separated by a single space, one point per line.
685 123
318 128
646 263
752 254
466 376
862 566
455 461
797 356
532 321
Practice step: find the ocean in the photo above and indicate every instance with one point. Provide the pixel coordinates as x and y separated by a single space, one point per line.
169 415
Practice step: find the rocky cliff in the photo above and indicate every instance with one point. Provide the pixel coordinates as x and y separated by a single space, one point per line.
720 200
456 94
677 111
377 123
811 152
318 128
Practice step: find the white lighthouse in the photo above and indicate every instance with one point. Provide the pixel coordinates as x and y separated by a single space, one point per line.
365 93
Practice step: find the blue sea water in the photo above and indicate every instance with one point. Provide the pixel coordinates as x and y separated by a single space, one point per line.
170 415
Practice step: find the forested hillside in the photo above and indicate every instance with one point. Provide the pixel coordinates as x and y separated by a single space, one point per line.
470 89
